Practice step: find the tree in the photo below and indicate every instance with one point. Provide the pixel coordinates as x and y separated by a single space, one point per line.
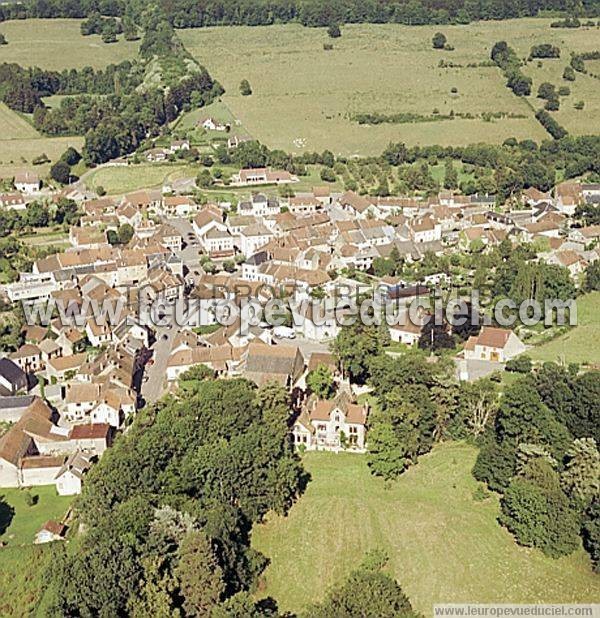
592 277
520 364
67 212
581 476
334 31
197 373
70 156
60 172
438 41
537 512
125 233
328 175
199 574
386 455
320 381
590 531
367 592
245 89
355 346
436 336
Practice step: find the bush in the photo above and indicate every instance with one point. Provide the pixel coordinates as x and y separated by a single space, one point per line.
521 364
579 105
3 40
245 89
569 74
71 156
328 175
545 50
327 46
334 31
438 41
564 91
30 499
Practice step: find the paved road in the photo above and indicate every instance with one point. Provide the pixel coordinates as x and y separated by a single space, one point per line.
156 384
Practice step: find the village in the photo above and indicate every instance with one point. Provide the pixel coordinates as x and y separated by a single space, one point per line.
76 381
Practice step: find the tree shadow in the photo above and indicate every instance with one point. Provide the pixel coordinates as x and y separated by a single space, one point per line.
7 512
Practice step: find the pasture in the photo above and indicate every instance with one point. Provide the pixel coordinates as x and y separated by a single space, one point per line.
444 546
579 344
304 96
57 44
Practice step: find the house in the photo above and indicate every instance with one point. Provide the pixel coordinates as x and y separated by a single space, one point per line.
262 176
178 206
13 201
13 407
253 238
259 205
281 363
51 531
426 229
210 124
493 344
59 367
179 144
154 155
12 378
408 333
304 204
568 196
28 357
357 205
332 425
69 479
27 182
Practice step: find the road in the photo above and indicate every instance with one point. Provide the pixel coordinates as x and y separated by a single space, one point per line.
156 384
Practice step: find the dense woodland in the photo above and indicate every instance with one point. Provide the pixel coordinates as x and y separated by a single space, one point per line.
194 13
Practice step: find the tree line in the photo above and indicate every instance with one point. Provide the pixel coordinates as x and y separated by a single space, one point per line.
313 13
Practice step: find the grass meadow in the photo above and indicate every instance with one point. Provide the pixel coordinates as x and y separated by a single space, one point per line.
58 44
444 546
303 96
123 179
579 344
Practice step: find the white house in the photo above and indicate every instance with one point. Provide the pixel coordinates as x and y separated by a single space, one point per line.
493 344
253 237
332 425
27 182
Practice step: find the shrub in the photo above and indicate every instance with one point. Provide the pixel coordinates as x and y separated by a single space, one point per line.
438 41
327 46
569 74
545 50
245 89
334 31
579 105
520 364
564 91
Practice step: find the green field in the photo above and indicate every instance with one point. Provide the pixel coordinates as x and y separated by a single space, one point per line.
580 344
27 520
303 95
122 179
444 546
15 126
57 44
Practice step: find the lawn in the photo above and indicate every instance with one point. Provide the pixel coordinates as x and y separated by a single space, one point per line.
303 96
444 546
580 344
25 521
57 44
123 179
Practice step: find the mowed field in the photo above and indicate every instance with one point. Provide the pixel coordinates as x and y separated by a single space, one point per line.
444 546
580 344
57 44
303 96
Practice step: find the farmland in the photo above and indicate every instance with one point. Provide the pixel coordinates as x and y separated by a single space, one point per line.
57 44
444 546
304 96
